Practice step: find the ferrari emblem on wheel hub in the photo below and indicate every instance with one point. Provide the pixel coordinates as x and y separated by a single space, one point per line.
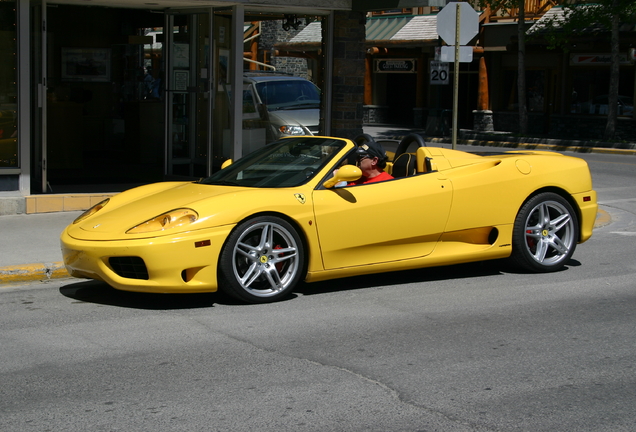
544 233
263 259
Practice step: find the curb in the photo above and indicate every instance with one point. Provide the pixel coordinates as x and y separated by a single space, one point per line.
33 272
603 218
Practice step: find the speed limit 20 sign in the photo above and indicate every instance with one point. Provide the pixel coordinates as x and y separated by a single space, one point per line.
439 73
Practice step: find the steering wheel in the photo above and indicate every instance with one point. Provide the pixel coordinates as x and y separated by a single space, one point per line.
302 97
308 172
406 142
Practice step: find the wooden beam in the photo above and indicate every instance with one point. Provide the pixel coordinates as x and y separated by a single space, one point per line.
482 97
368 80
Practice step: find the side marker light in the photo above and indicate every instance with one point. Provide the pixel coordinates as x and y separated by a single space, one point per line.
202 243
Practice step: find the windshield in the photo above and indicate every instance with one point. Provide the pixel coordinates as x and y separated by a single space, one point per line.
286 163
292 94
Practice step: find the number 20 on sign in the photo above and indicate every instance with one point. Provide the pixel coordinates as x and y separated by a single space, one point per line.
439 73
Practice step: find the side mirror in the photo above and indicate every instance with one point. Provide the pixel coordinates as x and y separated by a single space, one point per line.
226 164
347 173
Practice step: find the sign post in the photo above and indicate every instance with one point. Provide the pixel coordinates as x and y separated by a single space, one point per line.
458 17
457 26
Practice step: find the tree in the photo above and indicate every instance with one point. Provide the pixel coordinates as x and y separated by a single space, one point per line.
600 18
521 68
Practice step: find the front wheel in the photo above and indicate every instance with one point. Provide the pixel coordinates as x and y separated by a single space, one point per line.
545 233
262 260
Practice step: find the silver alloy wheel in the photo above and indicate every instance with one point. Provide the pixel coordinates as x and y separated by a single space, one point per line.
265 259
550 233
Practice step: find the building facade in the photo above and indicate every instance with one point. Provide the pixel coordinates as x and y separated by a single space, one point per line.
566 91
96 99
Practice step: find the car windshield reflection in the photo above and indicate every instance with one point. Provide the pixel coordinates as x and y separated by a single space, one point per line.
285 95
287 163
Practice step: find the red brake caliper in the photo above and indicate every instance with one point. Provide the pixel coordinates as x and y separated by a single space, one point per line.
279 266
530 241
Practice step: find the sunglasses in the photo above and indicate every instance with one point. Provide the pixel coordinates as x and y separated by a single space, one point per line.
360 157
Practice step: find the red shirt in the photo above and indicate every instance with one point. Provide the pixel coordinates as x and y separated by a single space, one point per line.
380 177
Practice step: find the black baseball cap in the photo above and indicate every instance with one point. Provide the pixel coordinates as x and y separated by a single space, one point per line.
372 149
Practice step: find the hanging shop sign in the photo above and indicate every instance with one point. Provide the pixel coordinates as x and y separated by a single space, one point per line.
598 59
396 65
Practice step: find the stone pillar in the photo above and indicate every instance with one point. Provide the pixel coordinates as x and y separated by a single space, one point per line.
482 121
348 73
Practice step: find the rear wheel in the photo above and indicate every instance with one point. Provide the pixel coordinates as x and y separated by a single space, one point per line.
545 233
262 260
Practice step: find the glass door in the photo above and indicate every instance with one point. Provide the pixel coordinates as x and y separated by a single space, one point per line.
189 101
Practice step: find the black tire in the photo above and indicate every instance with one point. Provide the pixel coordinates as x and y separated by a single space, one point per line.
545 234
262 260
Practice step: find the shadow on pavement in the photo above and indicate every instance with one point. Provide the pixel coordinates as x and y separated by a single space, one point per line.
101 293
423 275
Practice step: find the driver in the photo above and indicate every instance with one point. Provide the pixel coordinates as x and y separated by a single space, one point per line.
371 159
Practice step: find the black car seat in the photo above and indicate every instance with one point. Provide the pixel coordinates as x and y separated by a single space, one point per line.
404 165
407 141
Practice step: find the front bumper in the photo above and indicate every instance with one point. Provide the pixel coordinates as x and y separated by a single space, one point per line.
181 263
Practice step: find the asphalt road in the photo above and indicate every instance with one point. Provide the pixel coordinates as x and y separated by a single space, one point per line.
474 347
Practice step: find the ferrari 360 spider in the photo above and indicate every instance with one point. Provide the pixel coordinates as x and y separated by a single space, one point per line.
275 217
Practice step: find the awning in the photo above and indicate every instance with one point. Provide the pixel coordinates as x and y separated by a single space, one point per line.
387 31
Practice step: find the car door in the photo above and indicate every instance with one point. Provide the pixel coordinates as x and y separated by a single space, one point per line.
381 222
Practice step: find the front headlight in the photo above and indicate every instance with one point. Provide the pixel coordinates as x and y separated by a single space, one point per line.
172 219
292 130
91 211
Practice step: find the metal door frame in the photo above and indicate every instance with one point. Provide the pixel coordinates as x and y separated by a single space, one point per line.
169 86
39 81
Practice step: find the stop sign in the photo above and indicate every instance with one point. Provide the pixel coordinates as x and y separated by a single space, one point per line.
468 24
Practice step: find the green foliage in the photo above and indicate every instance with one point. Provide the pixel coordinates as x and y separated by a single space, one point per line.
580 18
500 4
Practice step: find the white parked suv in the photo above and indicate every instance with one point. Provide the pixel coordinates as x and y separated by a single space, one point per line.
289 105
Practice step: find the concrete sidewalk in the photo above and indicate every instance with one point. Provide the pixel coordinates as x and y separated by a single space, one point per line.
30 248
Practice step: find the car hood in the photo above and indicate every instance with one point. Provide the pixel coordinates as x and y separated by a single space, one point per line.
215 206
304 116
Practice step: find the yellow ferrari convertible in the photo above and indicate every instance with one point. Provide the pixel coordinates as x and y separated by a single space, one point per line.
290 212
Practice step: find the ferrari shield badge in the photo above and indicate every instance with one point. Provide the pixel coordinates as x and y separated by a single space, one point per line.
300 197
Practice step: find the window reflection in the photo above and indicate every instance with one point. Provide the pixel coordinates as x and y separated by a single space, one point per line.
589 92
8 86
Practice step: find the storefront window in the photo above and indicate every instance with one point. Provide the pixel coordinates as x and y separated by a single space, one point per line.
590 88
153 64
279 97
535 90
8 86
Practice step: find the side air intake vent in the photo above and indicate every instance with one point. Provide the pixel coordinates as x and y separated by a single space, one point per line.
129 267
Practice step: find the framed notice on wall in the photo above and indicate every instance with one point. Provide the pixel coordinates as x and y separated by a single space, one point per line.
181 80
86 64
